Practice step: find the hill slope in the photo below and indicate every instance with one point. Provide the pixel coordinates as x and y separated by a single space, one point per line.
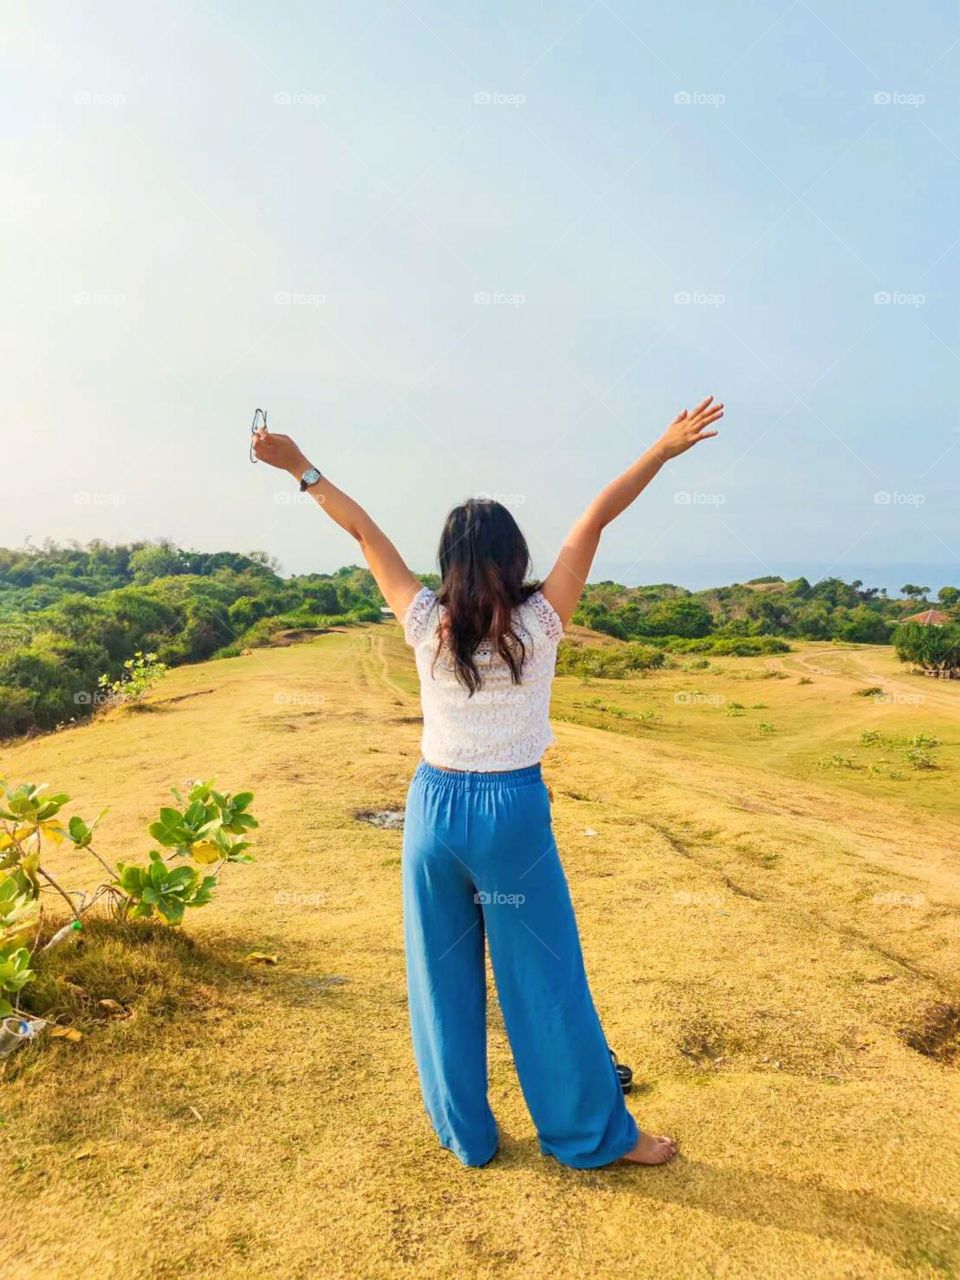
758 931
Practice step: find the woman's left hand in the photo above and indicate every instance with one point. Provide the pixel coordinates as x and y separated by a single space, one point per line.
688 429
279 451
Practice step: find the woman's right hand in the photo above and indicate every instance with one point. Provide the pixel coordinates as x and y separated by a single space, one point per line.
280 451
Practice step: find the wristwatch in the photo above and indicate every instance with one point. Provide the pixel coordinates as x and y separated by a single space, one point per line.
309 478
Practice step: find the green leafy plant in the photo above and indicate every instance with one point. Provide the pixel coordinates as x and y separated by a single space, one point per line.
166 890
140 674
18 913
920 758
838 761
196 841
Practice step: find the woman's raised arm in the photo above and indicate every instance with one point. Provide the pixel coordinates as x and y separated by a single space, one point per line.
396 582
564 583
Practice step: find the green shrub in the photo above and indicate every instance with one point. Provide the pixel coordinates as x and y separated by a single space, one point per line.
611 664
196 842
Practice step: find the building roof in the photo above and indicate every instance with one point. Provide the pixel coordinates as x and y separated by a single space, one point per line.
929 618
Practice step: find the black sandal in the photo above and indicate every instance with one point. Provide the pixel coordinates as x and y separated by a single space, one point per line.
624 1073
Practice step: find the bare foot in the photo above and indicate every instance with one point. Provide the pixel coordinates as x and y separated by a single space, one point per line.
652 1149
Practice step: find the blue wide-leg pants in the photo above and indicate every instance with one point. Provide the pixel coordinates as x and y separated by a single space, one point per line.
480 864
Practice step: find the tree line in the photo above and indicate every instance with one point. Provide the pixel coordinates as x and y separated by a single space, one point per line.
70 615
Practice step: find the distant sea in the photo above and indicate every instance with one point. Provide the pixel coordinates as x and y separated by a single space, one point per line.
697 576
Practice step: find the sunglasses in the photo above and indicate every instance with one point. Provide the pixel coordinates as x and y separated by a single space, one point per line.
259 424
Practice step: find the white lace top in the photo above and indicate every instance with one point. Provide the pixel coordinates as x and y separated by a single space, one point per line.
503 725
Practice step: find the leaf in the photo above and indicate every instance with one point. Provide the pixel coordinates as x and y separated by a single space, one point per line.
169 830
262 957
27 873
172 910
66 1033
79 832
112 1006
195 815
204 852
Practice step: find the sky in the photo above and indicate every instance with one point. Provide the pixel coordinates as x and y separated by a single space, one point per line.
488 248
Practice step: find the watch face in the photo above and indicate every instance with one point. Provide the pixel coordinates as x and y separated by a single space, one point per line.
310 476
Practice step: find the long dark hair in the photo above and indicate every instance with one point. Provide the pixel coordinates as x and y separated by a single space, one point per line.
484 562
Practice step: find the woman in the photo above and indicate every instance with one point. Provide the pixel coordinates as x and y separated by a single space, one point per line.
479 858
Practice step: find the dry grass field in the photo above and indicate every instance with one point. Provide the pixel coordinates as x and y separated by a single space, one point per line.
770 910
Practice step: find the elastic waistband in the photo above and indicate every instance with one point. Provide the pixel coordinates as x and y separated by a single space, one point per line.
465 781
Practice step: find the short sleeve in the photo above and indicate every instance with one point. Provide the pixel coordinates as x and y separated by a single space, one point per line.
418 615
546 615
